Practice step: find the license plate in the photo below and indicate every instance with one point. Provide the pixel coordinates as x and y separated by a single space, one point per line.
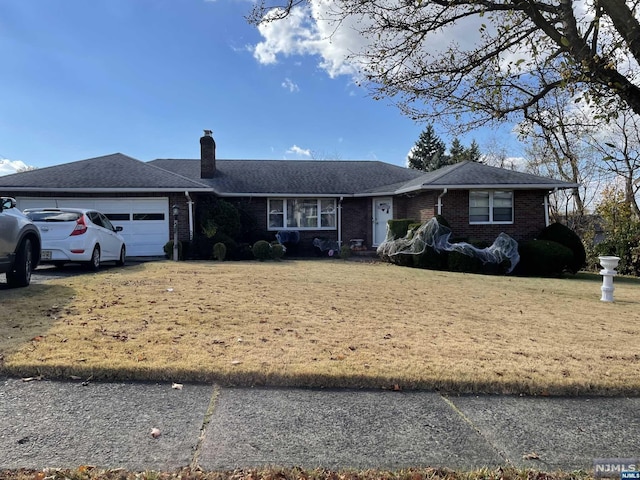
45 255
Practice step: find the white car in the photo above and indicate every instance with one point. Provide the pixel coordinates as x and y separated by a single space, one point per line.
77 235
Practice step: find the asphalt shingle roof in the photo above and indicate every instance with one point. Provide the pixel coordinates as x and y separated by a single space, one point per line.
472 174
293 177
118 172
109 172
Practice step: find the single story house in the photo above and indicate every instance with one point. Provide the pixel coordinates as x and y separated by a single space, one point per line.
338 200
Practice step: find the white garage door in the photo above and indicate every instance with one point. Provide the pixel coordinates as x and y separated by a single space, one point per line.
144 221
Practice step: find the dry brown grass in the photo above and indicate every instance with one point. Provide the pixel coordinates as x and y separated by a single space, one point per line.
90 473
327 323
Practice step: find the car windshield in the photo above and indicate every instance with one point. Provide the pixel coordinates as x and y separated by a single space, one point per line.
53 216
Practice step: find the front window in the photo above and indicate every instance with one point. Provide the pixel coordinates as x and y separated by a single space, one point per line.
301 214
492 206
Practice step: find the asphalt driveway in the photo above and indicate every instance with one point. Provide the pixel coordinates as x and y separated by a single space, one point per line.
45 273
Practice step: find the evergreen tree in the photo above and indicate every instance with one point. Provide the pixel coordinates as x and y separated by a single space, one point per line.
428 153
472 154
460 153
457 151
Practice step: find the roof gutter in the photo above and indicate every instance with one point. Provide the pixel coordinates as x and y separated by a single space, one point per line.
514 186
103 190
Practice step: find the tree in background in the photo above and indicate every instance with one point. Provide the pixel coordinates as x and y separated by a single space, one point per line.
460 153
619 144
557 135
622 231
428 153
474 62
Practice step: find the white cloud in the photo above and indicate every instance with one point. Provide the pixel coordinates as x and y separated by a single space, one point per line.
314 30
290 85
8 167
296 150
308 31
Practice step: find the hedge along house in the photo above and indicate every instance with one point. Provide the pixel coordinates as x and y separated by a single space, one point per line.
336 200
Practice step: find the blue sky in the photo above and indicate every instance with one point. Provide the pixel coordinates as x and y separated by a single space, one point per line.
81 79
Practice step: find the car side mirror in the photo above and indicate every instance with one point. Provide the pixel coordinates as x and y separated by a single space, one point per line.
118 228
7 203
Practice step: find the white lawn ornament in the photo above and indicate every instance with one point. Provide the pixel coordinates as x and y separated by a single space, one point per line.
608 272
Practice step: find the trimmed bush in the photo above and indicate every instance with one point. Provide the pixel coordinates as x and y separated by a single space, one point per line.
399 228
431 260
443 221
277 251
168 250
261 250
557 232
459 262
345 252
242 252
543 258
220 251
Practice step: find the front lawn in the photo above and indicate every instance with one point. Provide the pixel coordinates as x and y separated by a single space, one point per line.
327 323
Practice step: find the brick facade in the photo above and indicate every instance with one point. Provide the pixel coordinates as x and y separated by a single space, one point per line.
529 215
357 215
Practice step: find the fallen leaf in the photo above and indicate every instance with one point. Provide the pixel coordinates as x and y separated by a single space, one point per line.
177 386
397 388
531 456
75 377
37 338
155 432
31 379
236 362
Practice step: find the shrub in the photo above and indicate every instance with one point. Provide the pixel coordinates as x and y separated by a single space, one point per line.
277 251
261 250
242 252
220 251
543 258
168 250
431 259
622 229
557 232
459 262
399 228
345 252
442 221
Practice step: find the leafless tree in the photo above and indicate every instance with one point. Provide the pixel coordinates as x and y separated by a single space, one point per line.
525 50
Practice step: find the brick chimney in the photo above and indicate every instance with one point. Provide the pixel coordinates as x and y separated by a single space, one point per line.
207 155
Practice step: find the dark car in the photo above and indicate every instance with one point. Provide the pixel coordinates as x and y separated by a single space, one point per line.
19 244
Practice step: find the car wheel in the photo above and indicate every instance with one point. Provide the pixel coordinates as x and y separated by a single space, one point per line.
94 263
21 274
123 254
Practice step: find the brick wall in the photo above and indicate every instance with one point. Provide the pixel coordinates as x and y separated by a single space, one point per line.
529 216
183 216
356 220
421 207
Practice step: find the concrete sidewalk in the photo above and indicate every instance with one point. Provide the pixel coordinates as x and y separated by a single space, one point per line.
108 425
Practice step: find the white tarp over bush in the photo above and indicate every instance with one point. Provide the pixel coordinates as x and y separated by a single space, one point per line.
432 234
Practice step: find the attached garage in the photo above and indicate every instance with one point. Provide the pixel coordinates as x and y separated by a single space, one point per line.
144 221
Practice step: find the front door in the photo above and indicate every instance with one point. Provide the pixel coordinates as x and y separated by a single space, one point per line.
382 212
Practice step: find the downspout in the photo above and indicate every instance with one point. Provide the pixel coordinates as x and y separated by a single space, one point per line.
546 210
190 203
546 207
340 222
444 192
